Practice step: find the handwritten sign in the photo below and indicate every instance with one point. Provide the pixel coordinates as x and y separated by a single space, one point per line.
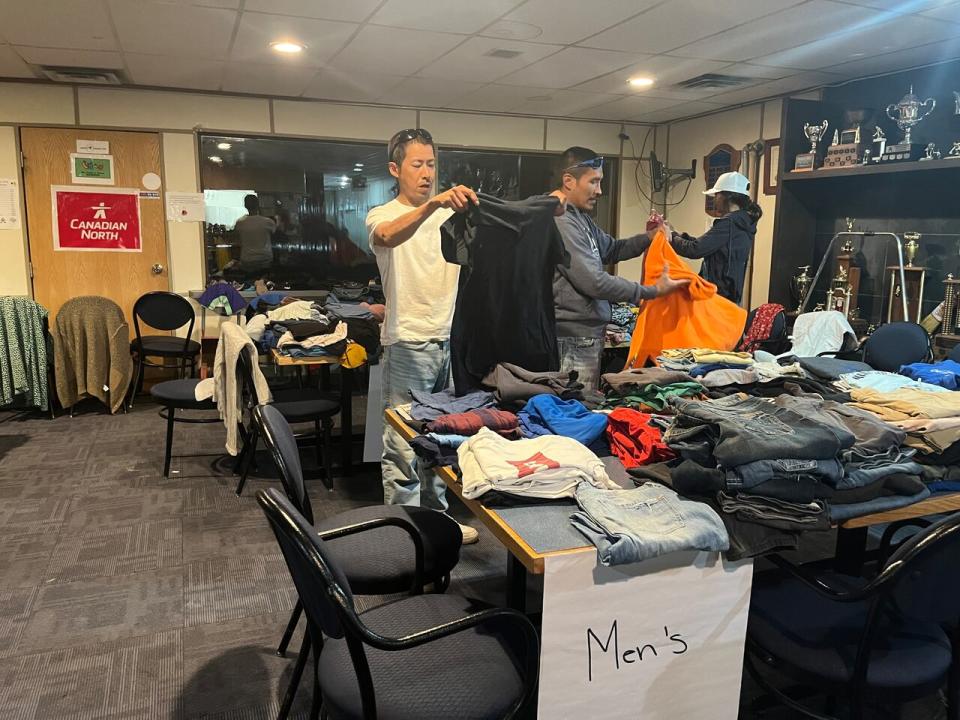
658 640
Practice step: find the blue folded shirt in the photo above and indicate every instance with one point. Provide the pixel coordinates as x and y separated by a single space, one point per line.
945 373
549 415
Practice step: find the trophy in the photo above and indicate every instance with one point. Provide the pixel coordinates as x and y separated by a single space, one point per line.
808 161
800 284
954 153
911 247
880 141
846 149
956 100
931 153
906 114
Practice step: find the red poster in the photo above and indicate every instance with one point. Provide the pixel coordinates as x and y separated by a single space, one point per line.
103 219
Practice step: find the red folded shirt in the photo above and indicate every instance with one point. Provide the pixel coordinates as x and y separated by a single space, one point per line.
469 423
634 440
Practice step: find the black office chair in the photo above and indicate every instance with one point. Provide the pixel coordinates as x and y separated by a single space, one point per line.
891 346
855 640
778 341
422 656
379 561
296 405
163 310
178 395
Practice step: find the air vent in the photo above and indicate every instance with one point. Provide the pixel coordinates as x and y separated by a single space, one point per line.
93 76
503 54
714 81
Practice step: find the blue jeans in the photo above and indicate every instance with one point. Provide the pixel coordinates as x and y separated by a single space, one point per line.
839 513
632 525
411 366
582 355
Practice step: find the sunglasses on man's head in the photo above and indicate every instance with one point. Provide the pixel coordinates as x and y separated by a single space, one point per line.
405 136
595 163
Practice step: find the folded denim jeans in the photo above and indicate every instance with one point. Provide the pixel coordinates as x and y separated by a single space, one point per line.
776 513
645 522
860 474
750 475
839 513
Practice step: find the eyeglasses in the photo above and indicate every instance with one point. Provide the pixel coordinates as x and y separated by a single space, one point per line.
595 163
405 136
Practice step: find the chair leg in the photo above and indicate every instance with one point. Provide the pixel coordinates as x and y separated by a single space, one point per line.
169 448
953 682
316 702
291 626
295 676
248 460
327 453
137 383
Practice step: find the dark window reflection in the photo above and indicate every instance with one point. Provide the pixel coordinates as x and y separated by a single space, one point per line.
317 195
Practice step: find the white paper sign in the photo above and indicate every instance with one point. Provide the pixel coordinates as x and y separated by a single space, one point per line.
658 640
93 147
9 204
186 207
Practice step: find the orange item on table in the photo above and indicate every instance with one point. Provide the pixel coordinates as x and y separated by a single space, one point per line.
694 316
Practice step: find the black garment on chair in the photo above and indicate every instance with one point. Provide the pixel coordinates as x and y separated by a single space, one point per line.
425 656
855 639
505 308
163 310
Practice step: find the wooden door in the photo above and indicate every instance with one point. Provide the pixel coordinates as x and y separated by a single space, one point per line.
59 275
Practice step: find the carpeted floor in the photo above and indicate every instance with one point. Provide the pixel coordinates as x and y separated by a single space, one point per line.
127 595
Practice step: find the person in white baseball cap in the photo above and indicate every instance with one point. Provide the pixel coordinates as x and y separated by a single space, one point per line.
725 247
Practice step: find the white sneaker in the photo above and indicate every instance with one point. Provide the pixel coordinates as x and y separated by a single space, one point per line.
470 535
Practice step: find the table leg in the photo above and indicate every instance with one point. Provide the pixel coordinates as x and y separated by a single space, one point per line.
516 583
346 420
851 550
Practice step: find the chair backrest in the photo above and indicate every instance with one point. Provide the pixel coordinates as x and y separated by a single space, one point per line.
925 573
245 383
896 344
954 354
163 310
286 455
321 584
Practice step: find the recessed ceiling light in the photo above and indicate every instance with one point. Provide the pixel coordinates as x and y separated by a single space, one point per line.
224 146
640 81
215 158
287 47
358 164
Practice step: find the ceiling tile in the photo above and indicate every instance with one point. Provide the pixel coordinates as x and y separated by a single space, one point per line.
267 79
323 39
900 60
624 108
567 21
499 98
333 84
71 58
425 92
470 61
679 22
178 72
409 50
901 33
11 64
81 24
949 12
561 102
353 11
442 15
229 4
773 33
165 29
911 6
569 67
665 71
697 107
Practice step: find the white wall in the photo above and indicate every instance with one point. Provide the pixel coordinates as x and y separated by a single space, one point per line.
13 251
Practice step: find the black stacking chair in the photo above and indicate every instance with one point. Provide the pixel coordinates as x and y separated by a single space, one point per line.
422 656
163 310
296 405
178 395
777 342
854 640
378 561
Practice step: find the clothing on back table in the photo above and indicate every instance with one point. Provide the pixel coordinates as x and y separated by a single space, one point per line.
504 310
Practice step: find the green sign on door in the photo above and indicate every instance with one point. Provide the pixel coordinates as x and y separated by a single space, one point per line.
91 169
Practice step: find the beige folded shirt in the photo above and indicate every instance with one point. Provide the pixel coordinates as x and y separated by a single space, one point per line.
907 403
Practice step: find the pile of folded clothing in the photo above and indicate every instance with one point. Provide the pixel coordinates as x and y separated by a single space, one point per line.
648 389
884 382
543 468
699 361
549 415
332 343
513 385
440 448
945 373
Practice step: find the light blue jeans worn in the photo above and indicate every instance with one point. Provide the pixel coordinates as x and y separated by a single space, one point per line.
419 366
632 525
582 355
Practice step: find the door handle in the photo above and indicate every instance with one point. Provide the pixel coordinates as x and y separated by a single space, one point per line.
157 269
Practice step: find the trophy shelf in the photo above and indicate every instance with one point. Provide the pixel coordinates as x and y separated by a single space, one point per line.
916 166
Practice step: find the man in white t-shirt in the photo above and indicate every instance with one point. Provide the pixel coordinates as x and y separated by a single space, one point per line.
421 291
255 233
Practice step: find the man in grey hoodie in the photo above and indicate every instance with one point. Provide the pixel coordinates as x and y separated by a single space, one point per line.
582 292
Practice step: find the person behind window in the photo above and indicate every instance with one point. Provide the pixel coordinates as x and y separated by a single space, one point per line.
725 247
582 292
421 290
255 234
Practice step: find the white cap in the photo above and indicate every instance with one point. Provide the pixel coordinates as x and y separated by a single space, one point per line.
732 182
